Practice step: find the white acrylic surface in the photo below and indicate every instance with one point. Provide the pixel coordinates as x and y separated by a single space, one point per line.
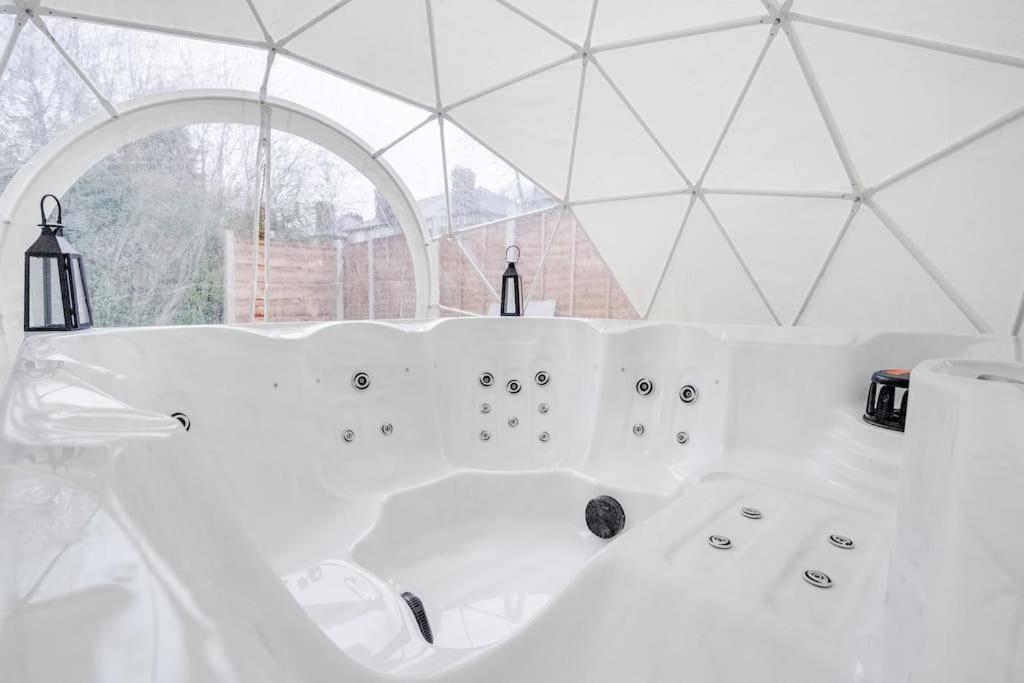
261 546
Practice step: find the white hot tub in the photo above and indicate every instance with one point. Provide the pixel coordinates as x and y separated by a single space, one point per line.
251 504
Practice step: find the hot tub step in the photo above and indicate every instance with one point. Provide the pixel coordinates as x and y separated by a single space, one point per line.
420 614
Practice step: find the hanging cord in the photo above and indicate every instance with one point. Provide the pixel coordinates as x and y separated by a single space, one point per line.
267 203
255 237
259 223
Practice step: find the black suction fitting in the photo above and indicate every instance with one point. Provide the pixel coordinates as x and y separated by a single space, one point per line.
420 614
605 517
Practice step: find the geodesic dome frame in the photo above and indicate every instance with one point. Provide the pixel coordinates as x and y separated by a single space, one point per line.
817 164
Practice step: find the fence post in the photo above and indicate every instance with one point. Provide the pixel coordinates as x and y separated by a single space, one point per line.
229 276
434 259
339 279
369 278
572 271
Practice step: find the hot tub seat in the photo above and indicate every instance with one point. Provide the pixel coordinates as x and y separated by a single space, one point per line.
485 552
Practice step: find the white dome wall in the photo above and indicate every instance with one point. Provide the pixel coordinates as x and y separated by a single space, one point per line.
797 163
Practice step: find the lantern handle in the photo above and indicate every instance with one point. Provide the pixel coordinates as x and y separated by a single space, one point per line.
42 213
508 258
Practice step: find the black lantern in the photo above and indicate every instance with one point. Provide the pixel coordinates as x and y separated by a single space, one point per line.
885 408
511 285
56 294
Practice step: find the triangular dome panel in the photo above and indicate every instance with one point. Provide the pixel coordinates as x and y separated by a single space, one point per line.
461 286
418 162
783 241
873 282
480 44
548 278
159 62
894 116
566 17
994 25
615 156
229 18
634 238
374 117
628 19
281 18
958 212
483 187
36 70
705 282
574 280
530 123
689 116
486 247
778 139
384 42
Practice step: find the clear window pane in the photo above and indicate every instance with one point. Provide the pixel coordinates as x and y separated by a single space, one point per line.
168 229
571 280
124 63
46 307
84 318
151 221
377 119
40 96
483 187
336 249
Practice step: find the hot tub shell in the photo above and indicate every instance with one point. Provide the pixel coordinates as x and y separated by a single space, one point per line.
262 544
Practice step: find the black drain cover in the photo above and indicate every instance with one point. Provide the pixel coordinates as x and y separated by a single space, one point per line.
420 614
605 517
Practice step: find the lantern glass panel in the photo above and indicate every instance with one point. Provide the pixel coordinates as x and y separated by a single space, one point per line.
81 294
46 307
511 295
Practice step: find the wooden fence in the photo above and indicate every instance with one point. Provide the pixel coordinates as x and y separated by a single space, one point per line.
348 280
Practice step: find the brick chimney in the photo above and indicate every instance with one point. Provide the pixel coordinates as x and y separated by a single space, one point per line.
465 201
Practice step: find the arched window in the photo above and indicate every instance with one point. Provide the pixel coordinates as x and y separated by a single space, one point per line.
173 235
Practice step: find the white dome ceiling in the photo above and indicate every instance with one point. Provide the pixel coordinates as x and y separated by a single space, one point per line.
809 162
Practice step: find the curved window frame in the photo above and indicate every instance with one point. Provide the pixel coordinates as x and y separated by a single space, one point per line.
69 156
